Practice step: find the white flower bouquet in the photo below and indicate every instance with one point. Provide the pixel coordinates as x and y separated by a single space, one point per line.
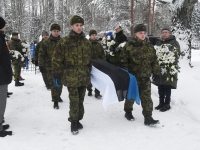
16 56
167 56
107 43
25 48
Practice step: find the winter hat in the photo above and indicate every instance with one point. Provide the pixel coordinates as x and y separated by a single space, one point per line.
76 19
166 28
14 33
92 32
55 26
140 27
44 33
2 23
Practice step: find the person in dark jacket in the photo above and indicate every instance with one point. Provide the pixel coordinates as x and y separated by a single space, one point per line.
45 35
5 77
164 85
119 38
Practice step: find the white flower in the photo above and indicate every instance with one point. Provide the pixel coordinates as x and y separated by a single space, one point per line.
108 44
166 58
112 42
23 50
108 38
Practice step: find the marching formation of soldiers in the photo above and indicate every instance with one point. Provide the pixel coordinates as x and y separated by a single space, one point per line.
68 61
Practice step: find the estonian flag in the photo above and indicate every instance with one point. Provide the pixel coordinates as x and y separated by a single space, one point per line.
114 83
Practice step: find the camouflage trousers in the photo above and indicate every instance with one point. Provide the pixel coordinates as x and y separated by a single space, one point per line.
45 79
144 86
17 71
89 89
55 91
76 98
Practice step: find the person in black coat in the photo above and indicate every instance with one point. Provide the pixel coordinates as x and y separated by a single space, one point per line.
120 37
5 77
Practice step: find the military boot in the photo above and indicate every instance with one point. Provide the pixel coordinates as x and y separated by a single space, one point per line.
17 83
159 106
80 126
74 127
55 105
6 126
89 93
148 120
4 133
129 116
165 108
98 96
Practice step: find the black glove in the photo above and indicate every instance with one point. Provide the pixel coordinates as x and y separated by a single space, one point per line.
57 81
42 69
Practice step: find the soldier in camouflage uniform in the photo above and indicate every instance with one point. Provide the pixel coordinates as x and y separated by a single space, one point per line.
45 35
44 61
97 53
139 58
15 44
72 55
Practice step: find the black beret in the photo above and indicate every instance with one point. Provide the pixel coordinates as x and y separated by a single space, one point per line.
76 19
140 27
55 26
92 32
2 23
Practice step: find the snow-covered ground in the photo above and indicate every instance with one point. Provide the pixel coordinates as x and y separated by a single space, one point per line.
37 126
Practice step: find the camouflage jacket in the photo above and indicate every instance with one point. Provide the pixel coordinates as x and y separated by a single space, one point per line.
97 51
15 44
139 58
72 59
37 50
46 51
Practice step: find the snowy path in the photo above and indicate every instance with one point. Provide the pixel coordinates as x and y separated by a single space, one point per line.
37 126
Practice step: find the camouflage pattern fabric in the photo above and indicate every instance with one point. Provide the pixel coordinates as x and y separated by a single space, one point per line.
45 79
139 58
55 91
15 44
97 51
97 54
144 86
44 74
76 96
17 71
44 59
72 56
37 50
46 51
